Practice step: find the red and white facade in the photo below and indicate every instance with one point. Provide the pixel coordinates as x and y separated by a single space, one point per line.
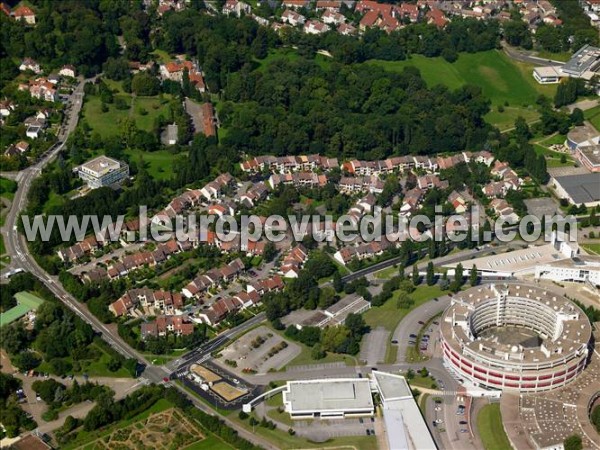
482 359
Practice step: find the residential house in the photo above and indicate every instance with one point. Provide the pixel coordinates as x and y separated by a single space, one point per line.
30 64
293 261
6 108
315 27
24 13
162 325
458 202
346 29
67 71
236 8
292 17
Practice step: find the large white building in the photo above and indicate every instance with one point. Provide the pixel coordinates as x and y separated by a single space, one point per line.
581 269
103 171
584 64
334 398
515 337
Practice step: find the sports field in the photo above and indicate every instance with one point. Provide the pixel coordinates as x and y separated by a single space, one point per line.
25 303
501 79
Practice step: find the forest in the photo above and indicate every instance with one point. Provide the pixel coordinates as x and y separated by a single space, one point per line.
348 111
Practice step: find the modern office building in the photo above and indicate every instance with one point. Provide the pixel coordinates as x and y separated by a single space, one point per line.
581 269
334 398
103 171
584 64
515 337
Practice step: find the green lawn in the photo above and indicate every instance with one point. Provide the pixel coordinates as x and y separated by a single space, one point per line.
561 56
501 79
505 120
592 248
491 431
389 316
283 440
210 443
593 115
143 110
289 54
159 163
387 273
553 159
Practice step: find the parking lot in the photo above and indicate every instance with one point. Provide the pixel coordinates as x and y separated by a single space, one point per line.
372 349
322 430
258 350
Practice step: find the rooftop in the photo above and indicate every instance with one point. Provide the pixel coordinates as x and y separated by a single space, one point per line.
328 395
581 188
569 332
587 58
101 165
582 134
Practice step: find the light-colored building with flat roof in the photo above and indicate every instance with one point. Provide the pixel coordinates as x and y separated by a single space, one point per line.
103 171
584 64
334 398
405 426
581 269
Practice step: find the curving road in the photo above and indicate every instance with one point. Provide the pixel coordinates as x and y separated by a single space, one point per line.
18 250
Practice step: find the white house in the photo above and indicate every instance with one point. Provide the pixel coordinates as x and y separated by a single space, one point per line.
67 71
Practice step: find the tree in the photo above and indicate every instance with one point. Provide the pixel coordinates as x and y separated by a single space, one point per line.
577 117
458 278
143 83
416 278
430 274
573 442
356 324
338 285
473 277
333 338
269 252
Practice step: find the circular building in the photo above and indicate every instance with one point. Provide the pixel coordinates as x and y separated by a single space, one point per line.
515 337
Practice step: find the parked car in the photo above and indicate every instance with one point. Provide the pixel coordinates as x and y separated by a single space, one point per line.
421 322
463 422
394 341
413 335
368 432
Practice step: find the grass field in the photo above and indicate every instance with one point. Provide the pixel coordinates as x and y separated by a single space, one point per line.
388 316
501 79
491 431
159 163
143 110
592 248
593 115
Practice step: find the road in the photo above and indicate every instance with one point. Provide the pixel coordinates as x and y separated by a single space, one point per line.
18 250
525 57
448 259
